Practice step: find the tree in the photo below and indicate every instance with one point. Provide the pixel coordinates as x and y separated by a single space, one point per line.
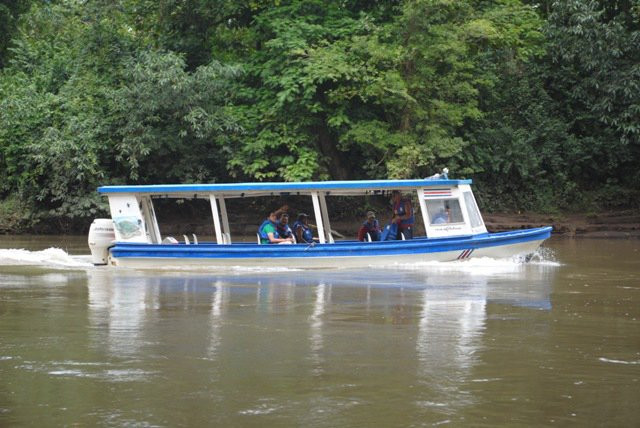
319 94
10 11
594 73
86 102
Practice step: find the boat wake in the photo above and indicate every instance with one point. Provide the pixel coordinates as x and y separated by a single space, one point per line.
51 257
543 257
58 258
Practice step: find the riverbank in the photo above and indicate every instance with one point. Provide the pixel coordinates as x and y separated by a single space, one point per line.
621 224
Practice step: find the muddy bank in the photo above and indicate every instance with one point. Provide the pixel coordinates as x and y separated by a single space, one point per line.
623 224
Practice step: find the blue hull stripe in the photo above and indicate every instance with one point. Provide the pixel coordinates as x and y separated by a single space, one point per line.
466 244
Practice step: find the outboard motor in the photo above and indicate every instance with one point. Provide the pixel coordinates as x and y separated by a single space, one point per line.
101 237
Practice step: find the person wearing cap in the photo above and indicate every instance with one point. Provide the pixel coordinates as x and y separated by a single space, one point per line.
302 230
370 226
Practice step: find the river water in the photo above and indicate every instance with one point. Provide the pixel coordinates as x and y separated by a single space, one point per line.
555 341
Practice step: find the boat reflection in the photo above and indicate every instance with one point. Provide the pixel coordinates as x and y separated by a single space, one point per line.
219 302
315 328
449 341
430 319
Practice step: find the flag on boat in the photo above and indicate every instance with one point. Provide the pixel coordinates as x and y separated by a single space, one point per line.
437 193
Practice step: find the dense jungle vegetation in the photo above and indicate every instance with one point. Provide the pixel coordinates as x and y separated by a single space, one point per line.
537 101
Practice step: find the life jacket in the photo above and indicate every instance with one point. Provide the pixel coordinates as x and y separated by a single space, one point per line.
307 235
284 231
264 237
398 209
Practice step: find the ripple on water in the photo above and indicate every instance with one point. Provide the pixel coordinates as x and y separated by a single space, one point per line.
116 375
611 361
92 370
428 404
262 410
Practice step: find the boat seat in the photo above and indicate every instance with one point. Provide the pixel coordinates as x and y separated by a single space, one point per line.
368 237
402 236
195 238
169 240
258 236
186 240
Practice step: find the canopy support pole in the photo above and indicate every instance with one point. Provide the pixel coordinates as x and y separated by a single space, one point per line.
318 216
325 218
225 221
150 219
216 219
423 210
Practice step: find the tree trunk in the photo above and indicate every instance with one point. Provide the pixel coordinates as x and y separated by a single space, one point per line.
334 158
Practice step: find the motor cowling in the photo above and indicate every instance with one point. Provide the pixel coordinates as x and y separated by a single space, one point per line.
101 237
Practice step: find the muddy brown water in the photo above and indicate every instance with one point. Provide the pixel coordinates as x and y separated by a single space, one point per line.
477 343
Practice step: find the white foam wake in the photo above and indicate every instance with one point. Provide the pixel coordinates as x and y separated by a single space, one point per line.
477 265
50 257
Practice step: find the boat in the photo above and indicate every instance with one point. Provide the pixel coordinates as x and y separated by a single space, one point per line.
132 238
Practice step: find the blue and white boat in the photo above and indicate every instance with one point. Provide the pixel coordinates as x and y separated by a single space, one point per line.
132 238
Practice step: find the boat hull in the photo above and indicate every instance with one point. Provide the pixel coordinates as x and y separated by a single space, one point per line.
338 255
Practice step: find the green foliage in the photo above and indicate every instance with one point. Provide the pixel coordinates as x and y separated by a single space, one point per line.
522 148
595 56
451 52
13 215
10 11
324 79
50 133
172 125
85 103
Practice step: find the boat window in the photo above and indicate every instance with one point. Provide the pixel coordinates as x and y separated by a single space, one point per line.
443 211
472 209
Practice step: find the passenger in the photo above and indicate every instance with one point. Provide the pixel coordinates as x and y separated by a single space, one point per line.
371 226
402 215
442 217
282 226
302 230
268 233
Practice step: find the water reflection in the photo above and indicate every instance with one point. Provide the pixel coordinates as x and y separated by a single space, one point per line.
122 308
315 330
447 306
219 301
449 340
312 324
